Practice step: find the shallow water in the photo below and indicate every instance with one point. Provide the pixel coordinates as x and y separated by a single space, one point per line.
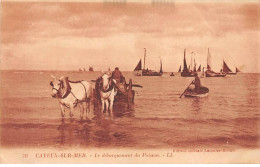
227 118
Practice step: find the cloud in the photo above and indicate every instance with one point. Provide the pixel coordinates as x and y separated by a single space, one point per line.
118 34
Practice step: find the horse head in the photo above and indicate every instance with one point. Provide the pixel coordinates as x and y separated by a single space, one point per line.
105 79
57 86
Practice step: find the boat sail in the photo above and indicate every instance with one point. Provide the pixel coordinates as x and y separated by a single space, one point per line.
199 69
227 70
209 72
186 72
147 72
161 71
138 68
179 69
237 70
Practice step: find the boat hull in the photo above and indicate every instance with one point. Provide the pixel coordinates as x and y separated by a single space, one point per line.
151 73
214 74
231 73
203 92
196 95
187 74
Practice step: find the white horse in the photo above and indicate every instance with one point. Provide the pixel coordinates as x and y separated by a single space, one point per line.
107 92
71 94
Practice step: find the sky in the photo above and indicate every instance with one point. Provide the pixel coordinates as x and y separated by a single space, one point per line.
73 35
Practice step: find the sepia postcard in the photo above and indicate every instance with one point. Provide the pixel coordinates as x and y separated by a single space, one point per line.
130 82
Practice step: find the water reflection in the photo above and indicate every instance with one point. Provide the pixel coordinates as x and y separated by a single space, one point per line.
98 130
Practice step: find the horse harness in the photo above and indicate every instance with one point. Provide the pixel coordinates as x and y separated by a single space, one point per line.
110 88
68 92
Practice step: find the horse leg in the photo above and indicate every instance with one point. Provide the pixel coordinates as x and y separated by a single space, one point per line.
102 106
106 101
71 110
62 110
111 105
88 108
81 108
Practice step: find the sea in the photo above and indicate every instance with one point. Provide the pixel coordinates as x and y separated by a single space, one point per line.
227 118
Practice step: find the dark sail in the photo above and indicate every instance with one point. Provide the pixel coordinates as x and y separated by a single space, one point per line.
226 69
199 69
194 69
161 71
208 60
185 68
139 66
179 69
237 70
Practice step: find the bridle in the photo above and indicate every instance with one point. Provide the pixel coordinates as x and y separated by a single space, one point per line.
60 86
110 85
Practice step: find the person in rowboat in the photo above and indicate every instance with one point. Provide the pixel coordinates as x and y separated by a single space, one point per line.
197 83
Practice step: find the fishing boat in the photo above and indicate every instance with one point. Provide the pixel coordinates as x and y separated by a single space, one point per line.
203 92
91 69
146 72
209 72
227 70
186 72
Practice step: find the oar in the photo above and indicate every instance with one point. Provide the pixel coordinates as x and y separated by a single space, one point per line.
186 88
135 85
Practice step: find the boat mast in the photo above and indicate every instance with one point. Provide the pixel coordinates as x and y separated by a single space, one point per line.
144 56
208 61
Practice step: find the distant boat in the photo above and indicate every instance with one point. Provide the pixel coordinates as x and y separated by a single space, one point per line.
172 74
186 72
209 72
227 70
91 69
147 72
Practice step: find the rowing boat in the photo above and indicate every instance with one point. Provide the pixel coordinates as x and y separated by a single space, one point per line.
203 92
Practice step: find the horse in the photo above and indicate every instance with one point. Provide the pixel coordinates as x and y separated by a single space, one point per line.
105 86
71 94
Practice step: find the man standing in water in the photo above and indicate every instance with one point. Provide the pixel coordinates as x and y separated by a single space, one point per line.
197 83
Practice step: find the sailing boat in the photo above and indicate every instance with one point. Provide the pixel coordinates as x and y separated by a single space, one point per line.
147 72
138 68
227 70
209 72
186 72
